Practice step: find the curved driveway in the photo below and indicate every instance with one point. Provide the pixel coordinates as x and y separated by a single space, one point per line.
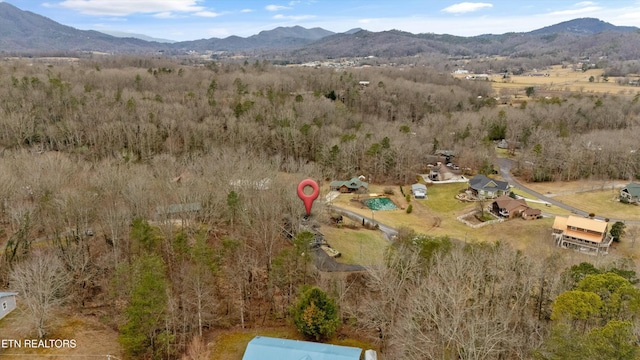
505 166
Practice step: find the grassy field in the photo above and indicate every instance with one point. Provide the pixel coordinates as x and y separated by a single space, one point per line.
602 203
560 79
436 216
357 245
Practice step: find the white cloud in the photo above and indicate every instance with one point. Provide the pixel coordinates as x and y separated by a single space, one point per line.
586 3
276 7
209 14
165 15
246 10
466 7
293 17
576 12
128 7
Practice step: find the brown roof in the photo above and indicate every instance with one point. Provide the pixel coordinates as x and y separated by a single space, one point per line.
560 223
509 203
532 211
587 224
597 227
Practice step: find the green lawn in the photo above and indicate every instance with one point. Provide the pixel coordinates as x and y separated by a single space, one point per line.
602 203
436 216
441 198
357 246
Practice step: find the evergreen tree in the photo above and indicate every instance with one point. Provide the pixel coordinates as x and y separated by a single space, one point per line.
147 306
316 314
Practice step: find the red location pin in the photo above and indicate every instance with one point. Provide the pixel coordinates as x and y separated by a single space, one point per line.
308 199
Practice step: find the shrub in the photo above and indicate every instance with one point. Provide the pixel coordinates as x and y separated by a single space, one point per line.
409 209
389 191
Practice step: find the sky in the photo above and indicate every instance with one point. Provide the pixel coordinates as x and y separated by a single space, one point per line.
182 20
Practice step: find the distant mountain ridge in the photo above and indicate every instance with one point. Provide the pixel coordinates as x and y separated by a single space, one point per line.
586 26
26 32
124 34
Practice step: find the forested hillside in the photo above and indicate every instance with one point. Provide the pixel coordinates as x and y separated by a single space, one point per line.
140 184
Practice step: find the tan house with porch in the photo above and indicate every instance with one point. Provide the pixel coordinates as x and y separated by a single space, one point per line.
583 234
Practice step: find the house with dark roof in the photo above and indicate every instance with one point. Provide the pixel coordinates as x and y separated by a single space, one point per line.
349 186
7 303
486 188
268 348
630 193
508 207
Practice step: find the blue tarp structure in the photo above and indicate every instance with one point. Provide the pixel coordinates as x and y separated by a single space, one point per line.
268 348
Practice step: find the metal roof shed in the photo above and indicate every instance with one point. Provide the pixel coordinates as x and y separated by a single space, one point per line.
7 303
267 348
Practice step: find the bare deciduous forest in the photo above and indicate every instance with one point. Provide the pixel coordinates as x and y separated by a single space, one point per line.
161 194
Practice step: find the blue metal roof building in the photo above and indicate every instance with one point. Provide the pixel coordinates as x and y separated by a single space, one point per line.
268 348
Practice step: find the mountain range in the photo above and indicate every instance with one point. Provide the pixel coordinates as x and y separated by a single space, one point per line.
24 32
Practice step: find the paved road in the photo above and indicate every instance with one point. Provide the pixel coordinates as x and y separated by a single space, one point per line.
506 165
387 230
324 262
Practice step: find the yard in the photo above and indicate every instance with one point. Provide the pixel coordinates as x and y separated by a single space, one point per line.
356 244
436 216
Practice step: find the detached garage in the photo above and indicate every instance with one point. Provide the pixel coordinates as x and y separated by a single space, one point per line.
7 303
419 191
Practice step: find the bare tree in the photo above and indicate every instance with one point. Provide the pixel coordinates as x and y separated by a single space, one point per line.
41 282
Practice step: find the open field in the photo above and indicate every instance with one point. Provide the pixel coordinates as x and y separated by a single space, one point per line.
556 188
560 79
603 203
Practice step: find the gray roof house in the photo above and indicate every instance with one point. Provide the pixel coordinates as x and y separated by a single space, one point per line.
487 188
7 303
630 193
348 186
419 191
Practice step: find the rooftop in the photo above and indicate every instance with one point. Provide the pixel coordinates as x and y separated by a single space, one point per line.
268 348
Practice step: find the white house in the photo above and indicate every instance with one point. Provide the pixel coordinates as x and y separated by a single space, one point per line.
7 303
419 191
